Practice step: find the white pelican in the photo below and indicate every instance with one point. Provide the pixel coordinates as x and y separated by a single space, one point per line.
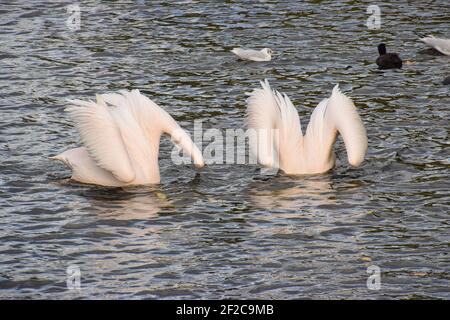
121 134
293 152
441 45
446 80
253 55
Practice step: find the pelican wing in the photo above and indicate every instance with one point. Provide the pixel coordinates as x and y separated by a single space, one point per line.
273 115
441 45
102 137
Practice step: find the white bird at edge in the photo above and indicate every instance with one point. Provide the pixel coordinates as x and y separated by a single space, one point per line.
253 55
440 44
120 135
293 152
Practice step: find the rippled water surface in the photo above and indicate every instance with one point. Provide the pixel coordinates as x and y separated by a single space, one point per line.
225 231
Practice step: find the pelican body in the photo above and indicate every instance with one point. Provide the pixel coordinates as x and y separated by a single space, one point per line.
312 153
120 133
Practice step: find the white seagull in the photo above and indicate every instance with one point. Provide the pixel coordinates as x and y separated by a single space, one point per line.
253 55
121 134
440 44
268 112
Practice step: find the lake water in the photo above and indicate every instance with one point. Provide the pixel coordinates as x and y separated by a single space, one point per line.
226 231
